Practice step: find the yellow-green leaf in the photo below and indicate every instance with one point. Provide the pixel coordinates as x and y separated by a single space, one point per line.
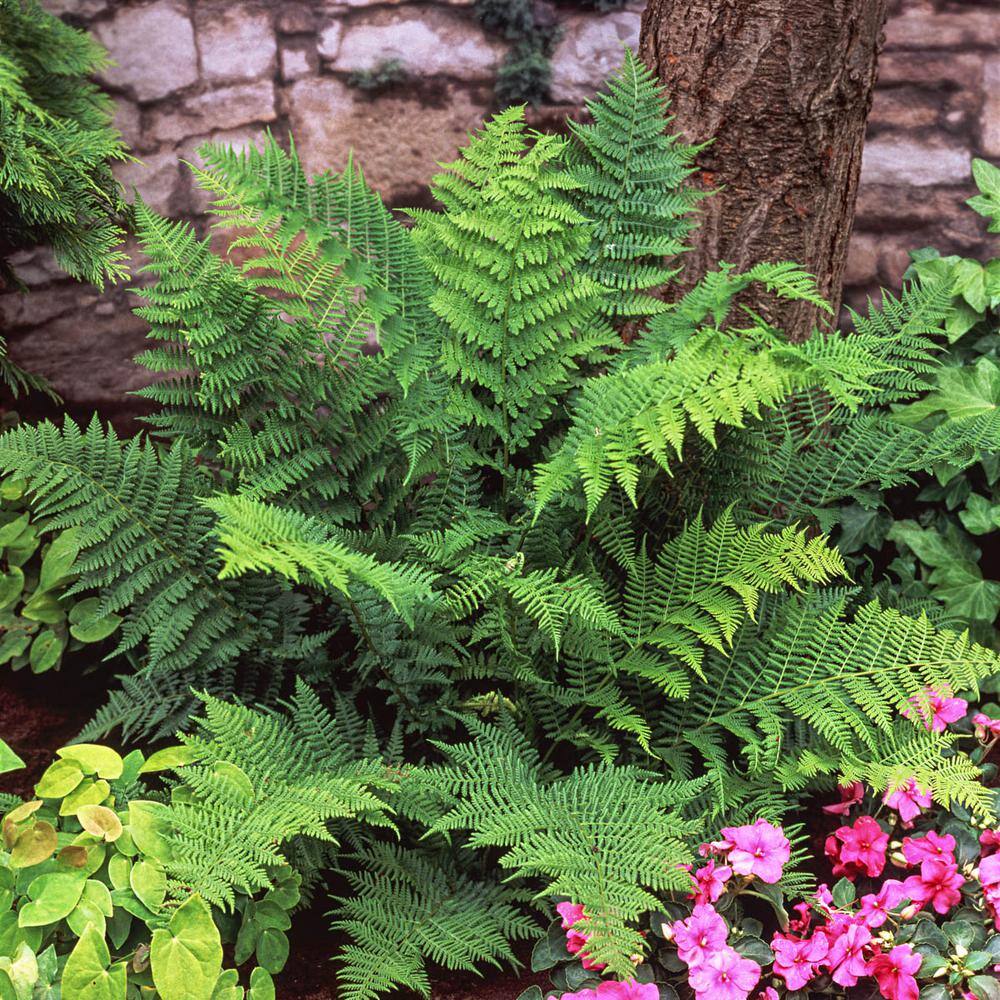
53 897
100 821
187 956
89 974
34 845
59 779
95 759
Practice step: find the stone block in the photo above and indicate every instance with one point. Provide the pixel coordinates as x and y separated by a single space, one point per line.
397 140
153 48
432 42
989 122
328 42
956 70
223 108
296 19
156 177
298 61
921 26
862 259
901 160
236 42
589 51
904 107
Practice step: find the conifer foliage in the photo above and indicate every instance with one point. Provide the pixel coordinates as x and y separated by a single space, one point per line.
565 604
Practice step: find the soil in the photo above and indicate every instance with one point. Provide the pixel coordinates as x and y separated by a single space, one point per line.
39 714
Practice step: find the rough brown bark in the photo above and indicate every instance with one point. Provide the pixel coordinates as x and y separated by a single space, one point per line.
782 88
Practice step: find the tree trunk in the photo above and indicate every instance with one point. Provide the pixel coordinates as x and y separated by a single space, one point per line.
782 88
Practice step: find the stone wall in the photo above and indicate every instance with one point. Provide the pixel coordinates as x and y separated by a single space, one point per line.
191 71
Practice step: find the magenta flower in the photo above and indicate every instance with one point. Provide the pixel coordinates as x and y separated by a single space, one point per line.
864 845
939 883
629 990
847 960
759 850
850 796
986 728
990 842
938 710
909 800
710 882
875 907
795 960
933 846
571 913
989 871
894 972
724 975
769 993
701 934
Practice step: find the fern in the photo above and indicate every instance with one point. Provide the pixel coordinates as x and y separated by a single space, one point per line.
521 319
407 907
631 185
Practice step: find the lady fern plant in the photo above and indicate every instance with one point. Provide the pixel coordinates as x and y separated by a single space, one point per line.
570 597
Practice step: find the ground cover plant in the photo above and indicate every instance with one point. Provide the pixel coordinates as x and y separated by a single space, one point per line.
466 582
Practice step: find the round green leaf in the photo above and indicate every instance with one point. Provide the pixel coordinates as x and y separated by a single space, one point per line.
186 957
9 761
87 793
46 651
45 608
168 759
59 779
53 897
57 563
86 626
148 824
35 845
261 985
14 644
94 759
272 950
11 586
100 822
985 987
149 883
89 974
11 531
94 908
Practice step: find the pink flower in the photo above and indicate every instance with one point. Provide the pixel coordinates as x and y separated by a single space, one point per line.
846 960
724 975
989 871
795 960
939 883
864 845
629 990
894 973
710 882
938 710
931 846
986 728
759 850
769 993
571 913
990 842
909 801
875 907
703 933
850 796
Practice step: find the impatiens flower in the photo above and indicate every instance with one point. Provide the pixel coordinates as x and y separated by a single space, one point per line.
864 845
850 796
629 990
759 849
710 882
571 913
909 801
579 995
770 993
989 877
938 710
989 840
875 907
724 975
986 728
795 960
846 959
932 845
701 934
939 883
894 972
575 943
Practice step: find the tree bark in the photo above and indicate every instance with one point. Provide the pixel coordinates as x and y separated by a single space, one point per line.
782 89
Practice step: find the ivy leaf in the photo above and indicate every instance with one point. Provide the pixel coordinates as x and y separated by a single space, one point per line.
964 592
961 394
89 974
980 515
186 957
